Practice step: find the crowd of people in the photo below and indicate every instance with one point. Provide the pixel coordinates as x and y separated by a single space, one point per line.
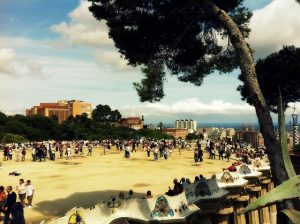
10 207
40 151
161 149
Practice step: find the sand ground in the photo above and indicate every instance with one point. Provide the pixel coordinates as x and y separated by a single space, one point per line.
83 182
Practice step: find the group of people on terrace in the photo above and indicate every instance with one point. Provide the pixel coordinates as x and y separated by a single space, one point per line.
10 207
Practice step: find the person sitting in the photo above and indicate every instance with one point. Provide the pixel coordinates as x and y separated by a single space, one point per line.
121 195
197 179
183 183
130 194
177 189
188 181
202 178
232 168
148 195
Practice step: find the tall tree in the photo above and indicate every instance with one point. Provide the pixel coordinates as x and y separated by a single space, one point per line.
280 70
3 118
184 37
103 113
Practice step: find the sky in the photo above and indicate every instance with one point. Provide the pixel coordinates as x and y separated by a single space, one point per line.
54 49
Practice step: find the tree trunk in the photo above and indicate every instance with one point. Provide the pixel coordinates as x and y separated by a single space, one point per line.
247 67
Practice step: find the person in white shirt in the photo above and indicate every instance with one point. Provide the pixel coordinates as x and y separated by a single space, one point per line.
69 152
21 188
29 192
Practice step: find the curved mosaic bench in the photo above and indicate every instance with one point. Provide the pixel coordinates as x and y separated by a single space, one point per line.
160 209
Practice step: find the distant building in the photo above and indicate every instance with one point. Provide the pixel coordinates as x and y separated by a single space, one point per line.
176 132
62 109
78 107
151 126
191 125
249 137
217 133
133 122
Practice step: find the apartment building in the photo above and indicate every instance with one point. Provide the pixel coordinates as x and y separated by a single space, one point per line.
62 109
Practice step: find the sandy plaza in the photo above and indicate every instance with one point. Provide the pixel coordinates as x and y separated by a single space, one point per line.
85 181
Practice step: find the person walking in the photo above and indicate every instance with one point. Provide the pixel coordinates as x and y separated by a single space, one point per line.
21 188
29 193
10 201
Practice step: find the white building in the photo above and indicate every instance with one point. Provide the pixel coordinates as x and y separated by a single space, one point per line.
191 125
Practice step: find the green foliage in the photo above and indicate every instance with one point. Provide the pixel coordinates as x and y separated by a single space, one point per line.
103 113
151 87
180 36
287 190
283 141
36 128
280 70
3 118
152 134
293 215
192 136
11 138
16 127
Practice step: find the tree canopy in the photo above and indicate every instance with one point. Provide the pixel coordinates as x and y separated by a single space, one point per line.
19 128
177 35
103 113
190 39
280 70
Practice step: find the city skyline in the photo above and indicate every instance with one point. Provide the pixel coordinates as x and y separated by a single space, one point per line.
66 54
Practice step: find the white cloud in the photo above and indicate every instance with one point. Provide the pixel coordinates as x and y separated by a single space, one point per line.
11 41
7 56
34 69
191 106
10 64
112 58
85 30
275 25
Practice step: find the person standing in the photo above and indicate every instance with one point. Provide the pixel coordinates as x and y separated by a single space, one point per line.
68 152
17 213
10 201
148 149
2 198
29 192
21 188
23 154
33 153
90 149
155 153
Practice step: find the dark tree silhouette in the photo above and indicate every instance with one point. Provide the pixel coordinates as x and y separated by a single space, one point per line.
184 37
103 113
280 70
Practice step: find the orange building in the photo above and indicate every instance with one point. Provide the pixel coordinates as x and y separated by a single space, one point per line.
133 122
77 107
177 132
62 109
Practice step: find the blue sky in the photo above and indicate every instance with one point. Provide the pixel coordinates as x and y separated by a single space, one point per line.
51 50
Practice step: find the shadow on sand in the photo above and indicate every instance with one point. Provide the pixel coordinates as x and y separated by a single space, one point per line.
79 199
